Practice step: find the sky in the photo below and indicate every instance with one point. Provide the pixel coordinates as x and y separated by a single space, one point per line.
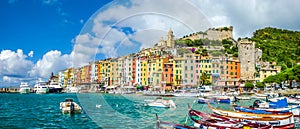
38 37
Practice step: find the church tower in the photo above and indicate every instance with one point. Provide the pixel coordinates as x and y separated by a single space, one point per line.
247 58
170 39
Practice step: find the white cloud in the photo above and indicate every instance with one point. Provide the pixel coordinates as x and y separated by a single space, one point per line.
14 63
85 49
140 16
52 61
30 54
249 15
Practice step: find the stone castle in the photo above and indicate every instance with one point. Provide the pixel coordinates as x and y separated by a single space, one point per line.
212 34
169 42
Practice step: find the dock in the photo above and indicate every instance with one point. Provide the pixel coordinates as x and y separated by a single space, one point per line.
9 90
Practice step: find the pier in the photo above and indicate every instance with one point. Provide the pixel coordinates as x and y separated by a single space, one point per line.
9 90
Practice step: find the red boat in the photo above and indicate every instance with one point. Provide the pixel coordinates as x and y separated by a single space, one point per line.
212 121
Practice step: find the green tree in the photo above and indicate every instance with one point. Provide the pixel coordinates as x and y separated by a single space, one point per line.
204 79
249 85
260 85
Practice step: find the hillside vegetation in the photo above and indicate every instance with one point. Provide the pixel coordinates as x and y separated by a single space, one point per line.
281 46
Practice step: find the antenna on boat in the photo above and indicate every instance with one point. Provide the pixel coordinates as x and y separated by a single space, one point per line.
186 116
157 122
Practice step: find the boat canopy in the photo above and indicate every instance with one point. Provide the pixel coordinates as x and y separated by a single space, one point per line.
281 103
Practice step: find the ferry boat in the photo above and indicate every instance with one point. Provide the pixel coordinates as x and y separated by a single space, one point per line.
41 87
54 87
24 88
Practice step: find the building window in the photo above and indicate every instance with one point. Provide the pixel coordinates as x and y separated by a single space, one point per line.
191 67
185 68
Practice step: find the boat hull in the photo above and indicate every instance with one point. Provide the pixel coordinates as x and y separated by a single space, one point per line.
55 90
24 90
70 108
274 119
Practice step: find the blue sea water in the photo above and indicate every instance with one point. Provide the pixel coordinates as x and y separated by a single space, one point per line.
116 111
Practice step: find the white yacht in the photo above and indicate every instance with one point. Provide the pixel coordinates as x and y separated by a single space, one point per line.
24 88
159 102
41 87
54 87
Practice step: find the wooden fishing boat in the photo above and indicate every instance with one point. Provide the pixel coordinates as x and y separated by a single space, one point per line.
212 121
277 105
284 119
257 110
167 125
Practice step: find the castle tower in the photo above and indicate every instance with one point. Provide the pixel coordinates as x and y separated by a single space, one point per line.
247 58
170 39
161 42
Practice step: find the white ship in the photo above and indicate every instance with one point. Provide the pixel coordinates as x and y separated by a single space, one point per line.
24 88
41 87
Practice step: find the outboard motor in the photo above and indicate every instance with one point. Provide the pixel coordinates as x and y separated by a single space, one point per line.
72 108
256 104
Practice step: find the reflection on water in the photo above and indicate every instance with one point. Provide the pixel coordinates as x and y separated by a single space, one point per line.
116 111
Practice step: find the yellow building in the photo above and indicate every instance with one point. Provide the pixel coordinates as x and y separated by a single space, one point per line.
106 71
100 71
205 66
82 75
265 72
144 72
177 71
113 72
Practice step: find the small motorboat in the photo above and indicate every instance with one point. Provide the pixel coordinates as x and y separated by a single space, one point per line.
159 102
70 107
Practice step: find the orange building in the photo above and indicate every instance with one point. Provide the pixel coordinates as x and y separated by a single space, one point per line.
168 75
234 69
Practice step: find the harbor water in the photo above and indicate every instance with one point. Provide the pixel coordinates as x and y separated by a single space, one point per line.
99 111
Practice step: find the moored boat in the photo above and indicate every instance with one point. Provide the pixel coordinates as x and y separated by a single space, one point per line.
24 88
284 119
54 87
70 107
41 87
280 105
159 102
212 121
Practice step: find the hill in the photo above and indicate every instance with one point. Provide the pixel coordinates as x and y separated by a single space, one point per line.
279 45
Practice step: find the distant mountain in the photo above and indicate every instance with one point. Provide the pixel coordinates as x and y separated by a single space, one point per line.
279 45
